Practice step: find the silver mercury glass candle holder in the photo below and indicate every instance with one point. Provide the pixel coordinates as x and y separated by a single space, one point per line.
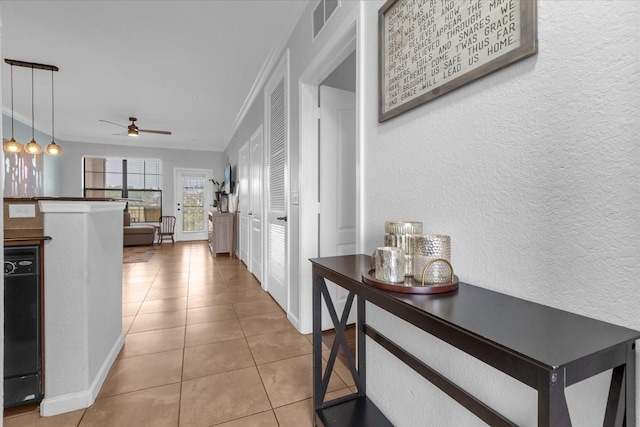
432 258
390 264
399 234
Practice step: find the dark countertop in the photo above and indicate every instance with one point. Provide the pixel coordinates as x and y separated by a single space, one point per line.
22 236
548 336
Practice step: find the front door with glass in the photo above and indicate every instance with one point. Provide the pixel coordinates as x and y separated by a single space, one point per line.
193 200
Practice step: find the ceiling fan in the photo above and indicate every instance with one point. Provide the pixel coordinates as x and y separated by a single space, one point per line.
132 129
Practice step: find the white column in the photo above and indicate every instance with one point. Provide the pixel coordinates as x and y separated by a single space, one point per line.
82 300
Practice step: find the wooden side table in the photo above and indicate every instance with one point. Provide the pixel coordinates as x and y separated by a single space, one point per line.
221 232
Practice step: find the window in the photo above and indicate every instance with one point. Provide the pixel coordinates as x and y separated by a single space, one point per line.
139 180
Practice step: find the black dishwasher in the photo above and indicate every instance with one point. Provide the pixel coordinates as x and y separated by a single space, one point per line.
22 326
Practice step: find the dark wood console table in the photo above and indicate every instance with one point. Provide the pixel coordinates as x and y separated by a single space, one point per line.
546 348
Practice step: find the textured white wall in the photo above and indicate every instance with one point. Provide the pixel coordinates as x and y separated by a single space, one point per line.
534 172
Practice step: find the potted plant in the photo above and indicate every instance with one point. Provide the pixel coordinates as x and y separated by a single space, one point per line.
219 189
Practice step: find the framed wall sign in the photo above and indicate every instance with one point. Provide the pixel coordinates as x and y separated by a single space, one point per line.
427 48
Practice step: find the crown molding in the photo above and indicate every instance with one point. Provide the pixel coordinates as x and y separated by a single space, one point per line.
16 116
291 21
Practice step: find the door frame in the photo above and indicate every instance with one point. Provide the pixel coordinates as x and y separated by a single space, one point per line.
208 195
343 42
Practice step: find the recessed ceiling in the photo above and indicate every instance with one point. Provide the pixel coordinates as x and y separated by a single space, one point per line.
182 66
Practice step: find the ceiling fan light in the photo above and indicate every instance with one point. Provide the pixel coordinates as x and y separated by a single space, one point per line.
12 146
33 147
53 149
132 132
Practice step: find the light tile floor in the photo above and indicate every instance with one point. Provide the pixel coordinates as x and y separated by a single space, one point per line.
205 346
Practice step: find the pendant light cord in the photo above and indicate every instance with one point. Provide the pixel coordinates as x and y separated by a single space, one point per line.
11 102
33 119
52 111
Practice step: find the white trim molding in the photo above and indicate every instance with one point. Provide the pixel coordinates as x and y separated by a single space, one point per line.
341 44
82 399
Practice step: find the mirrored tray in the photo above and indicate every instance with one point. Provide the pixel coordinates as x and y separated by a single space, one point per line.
410 285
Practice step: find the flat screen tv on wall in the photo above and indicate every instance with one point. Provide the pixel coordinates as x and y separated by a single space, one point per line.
228 179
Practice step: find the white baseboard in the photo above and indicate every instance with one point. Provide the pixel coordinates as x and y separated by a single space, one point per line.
96 385
295 321
85 398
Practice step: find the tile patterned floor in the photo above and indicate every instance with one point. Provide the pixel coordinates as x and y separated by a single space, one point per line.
205 346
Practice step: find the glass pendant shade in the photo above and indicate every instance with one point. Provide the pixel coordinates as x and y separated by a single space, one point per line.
33 147
53 149
12 146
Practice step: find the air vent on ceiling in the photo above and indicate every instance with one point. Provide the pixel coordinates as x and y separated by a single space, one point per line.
322 13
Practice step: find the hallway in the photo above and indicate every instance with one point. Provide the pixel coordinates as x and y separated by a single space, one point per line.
205 346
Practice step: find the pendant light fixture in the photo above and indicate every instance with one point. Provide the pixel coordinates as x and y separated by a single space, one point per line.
12 146
32 147
53 148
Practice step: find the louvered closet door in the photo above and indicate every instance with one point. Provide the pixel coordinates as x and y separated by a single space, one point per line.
276 226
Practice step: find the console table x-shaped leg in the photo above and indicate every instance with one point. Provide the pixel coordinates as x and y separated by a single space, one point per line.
355 409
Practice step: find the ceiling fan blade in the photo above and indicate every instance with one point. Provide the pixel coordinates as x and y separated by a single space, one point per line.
161 132
117 124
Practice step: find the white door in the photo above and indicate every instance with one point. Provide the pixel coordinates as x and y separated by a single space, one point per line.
243 202
337 183
277 142
193 200
255 219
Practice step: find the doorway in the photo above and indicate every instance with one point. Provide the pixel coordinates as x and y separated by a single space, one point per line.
323 241
193 198
337 178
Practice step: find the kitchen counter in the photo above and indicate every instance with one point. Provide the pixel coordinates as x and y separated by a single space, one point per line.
24 237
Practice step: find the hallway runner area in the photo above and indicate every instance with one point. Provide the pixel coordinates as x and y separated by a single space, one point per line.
133 254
